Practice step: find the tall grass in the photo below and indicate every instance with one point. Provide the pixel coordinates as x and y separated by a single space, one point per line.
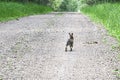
12 10
108 14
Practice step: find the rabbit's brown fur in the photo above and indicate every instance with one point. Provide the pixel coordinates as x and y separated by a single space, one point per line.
70 42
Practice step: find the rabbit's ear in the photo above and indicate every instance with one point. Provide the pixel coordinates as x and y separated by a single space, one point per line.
71 33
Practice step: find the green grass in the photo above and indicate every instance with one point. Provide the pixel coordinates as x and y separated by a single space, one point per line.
107 14
12 10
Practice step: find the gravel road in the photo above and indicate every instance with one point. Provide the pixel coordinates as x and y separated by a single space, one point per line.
33 48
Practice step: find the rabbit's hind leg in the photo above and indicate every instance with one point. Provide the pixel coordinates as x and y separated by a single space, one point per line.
66 49
68 42
71 46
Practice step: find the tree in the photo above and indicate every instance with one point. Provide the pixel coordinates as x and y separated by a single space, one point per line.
55 4
70 5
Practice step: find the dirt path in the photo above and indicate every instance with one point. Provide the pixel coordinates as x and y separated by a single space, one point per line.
32 48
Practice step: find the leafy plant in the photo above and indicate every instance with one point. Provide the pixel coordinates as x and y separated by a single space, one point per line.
13 10
69 5
55 4
107 14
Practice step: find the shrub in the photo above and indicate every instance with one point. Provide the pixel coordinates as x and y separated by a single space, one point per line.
69 5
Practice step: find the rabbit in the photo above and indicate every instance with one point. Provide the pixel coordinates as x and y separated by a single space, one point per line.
70 42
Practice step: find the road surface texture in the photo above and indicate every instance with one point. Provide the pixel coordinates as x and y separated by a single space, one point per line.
33 48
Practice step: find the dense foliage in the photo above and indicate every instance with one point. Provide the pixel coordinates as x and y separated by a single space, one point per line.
14 10
108 14
64 5
44 2
91 2
55 4
69 5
